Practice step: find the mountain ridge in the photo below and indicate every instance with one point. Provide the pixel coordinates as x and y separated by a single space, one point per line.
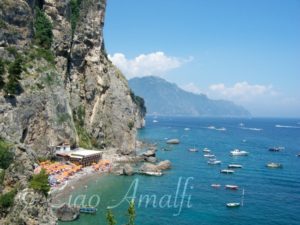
167 99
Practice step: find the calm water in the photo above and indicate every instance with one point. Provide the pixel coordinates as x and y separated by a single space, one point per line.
272 196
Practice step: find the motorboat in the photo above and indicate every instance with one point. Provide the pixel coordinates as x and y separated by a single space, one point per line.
206 150
276 149
215 185
214 162
237 152
231 187
227 171
209 155
235 166
274 165
233 204
193 150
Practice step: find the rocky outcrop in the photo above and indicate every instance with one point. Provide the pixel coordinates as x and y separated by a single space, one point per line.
70 92
155 168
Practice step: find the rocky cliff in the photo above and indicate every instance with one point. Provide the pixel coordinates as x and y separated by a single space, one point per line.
56 82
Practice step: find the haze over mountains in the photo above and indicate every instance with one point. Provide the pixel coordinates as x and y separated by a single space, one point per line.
167 99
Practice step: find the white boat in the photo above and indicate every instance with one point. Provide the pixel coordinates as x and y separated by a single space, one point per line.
209 155
233 204
231 187
236 204
274 165
215 185
153 173
206 150
214 162
235 166
155 121
276 149
227 171
193 150
237 152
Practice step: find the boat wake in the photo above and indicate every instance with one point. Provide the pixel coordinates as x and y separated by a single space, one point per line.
215 128
284 126
252 128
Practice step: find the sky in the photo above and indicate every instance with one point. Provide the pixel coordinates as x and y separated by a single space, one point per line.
246 51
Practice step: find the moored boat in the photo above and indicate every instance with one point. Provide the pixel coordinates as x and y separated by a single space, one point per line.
235 166
298 155
276 149
233 204
237 152
88 210
214 162
193 150
215 185
231 187
206 150
227 171
274 165
209 155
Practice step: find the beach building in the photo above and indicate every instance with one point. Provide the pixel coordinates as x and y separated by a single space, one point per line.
64 147
85 157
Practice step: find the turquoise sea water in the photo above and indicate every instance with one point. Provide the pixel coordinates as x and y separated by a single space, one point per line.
272 196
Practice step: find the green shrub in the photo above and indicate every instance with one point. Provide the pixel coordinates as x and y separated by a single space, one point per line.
75 13
131 213
43 29
3 24
84 137
7 200
140 102
6 156
110 218
40 53
13 86
130 125
12 50
39 182
2 175
2 72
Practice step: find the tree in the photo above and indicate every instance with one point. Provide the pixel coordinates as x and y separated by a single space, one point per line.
13 86
2 72
131 213
110 218
43 29
39 182
6 156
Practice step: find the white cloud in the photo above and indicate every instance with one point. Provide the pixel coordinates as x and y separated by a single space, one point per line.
156 63
241 91
191 87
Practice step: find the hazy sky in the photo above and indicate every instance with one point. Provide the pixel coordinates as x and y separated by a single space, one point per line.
245 51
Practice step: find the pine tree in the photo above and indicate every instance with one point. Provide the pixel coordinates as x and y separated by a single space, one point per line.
110 218
13 86
43 30
131 213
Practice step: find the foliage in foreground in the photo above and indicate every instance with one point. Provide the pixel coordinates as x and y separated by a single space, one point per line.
7 200
6 156
39 182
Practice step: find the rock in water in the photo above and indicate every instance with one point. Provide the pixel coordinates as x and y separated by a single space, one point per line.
127 170
164 165
173 141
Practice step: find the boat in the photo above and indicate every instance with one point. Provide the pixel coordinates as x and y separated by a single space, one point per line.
155 121
237 152
215 185
231 187
206 150
236 204
88 210
209 155
153 173
214 162
235 166
227 171
274 165
193 150
233 204
276 149
298 155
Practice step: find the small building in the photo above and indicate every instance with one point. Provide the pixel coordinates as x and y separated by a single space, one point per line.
64 147
85 157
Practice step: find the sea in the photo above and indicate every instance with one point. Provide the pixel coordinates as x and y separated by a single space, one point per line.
183 195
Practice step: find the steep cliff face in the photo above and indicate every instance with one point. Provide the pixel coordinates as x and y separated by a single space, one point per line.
56 85
80 96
